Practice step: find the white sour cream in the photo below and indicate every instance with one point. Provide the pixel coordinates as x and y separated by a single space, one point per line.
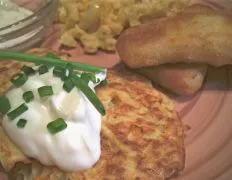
10 13
77 147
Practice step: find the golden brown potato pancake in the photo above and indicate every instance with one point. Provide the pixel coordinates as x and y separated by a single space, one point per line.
141 138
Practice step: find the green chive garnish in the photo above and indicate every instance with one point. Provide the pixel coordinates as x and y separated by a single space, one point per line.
67 72
18 111
56 126
45 91
21 123
4 104
83 86
28 96
104 82
63 72
88 77
28 70
98 80
19 79
4 55
68 85
43 69
57 71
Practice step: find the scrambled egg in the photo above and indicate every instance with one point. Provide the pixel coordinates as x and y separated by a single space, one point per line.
97 23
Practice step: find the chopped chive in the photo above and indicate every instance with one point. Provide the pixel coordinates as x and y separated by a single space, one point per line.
68 85
88 77
104 82
28 70
45 91
83 86
98 80
19 79
57 71
63 72
21 123
8 55
43 69
67 72
56 126
4 104
18 111
28 96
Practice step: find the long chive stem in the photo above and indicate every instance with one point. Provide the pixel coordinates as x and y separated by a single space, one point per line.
8 55
83 86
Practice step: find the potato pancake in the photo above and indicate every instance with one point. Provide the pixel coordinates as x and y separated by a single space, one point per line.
142 136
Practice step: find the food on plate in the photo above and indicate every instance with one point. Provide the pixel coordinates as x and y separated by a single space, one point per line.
55 98
8 69
183 79
45 51
191 37
141 136
10 13
199 35
96 24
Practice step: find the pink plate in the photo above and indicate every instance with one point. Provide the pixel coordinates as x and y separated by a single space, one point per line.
209 141
208 114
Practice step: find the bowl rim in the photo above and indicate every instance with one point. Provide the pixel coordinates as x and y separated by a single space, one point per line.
43 8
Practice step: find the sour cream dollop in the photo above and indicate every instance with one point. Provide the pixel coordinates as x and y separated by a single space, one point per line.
77 147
